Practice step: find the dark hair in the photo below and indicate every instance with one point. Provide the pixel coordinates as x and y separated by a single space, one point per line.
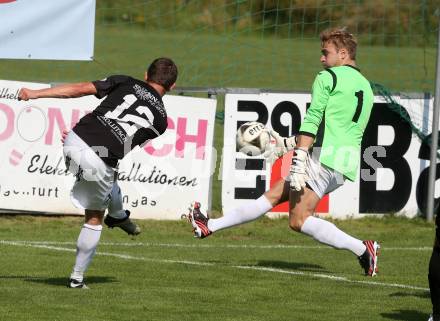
162 71
341 38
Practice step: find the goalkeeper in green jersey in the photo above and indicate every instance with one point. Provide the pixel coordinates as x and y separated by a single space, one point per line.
344 96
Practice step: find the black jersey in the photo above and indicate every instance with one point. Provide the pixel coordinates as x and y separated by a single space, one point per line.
131 114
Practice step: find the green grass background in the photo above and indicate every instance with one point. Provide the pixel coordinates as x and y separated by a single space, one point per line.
151 285
228 60
157 284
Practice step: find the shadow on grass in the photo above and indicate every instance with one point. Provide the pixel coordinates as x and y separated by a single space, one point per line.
418 294
406 315
61 281
291 266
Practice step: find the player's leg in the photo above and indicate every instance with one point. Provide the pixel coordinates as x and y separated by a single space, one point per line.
324 180
434 281
301 219
203 226
91 190
86 244
117 216
91 196
252 210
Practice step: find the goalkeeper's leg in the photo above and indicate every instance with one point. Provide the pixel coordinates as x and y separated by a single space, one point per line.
301 219
253 209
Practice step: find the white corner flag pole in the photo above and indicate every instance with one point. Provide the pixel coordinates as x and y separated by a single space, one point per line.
434 136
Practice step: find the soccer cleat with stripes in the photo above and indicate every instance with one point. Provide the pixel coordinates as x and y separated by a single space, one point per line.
75 284
368 260
198 221
125 224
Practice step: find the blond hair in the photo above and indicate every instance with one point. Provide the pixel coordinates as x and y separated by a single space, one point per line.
340 38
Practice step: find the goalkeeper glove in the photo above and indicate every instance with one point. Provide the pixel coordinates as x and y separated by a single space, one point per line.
278 146
298 170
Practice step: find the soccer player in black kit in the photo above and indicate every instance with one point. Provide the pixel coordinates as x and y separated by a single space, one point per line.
131 114
434 273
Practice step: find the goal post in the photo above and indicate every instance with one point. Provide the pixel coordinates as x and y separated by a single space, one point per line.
434 140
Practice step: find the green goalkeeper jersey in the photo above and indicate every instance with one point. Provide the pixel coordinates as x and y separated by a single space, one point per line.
342 100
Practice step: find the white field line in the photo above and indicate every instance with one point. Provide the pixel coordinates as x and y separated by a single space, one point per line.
333 277
255 268
120 256
200 245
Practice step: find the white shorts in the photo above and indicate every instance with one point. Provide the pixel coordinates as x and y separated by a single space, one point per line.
323 179
95 187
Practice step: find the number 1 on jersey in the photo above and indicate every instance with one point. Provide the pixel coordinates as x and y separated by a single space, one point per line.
360 101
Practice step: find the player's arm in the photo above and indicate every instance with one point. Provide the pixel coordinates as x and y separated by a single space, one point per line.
321 89
304 142
62 91
309 127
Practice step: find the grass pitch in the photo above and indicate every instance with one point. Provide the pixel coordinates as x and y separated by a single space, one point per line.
258 271
227 60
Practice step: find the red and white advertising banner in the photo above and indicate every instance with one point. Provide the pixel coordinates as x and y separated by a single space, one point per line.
42 29
158 181
394 166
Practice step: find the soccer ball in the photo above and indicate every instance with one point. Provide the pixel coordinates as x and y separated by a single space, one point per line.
252 138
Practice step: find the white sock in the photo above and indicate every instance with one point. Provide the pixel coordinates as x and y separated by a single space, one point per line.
242 214
327 233
85 249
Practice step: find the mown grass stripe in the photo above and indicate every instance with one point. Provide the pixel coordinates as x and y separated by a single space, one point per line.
200 245
254 268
